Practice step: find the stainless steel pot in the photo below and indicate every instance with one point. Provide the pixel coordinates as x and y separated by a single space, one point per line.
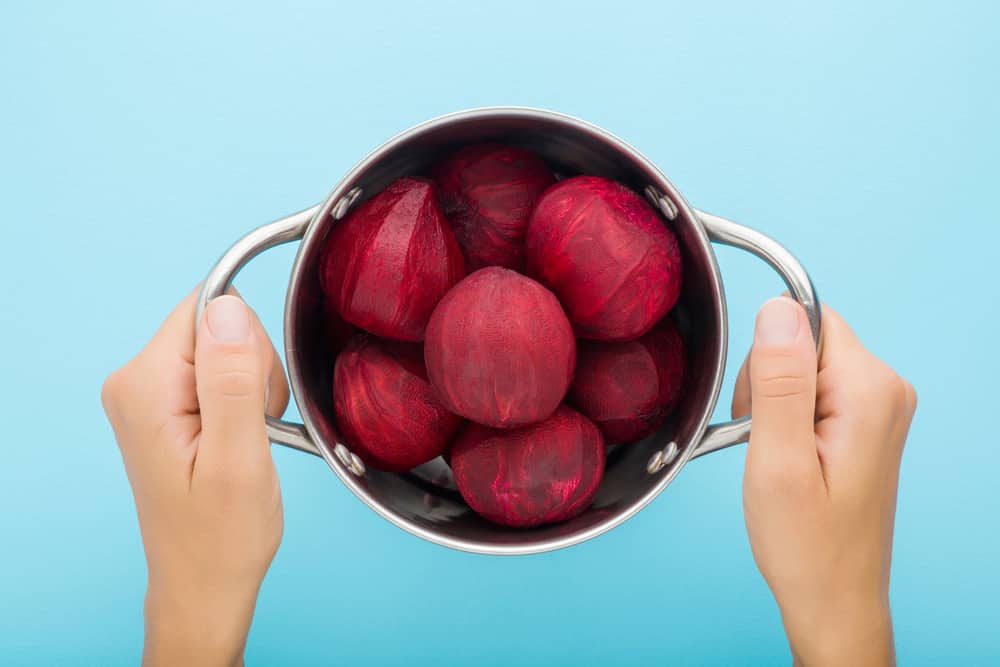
424 501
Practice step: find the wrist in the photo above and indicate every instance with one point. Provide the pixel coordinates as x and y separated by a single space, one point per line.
850 632
195 627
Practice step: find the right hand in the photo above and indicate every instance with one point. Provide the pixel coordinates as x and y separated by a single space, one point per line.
819 489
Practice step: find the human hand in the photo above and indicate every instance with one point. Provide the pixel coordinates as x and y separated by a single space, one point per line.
819 490
189 420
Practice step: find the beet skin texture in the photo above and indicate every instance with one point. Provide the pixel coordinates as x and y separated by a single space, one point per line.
532 475
487 192
385 407
607 256
388 263
629 389
500 350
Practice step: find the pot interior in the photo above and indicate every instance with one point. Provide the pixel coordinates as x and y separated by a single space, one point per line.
425 501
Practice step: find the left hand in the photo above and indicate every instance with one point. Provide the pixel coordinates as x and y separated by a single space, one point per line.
189 420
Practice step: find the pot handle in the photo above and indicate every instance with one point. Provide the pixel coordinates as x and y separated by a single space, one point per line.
291 228
727 232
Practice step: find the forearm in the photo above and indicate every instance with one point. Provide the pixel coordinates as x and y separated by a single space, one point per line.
194 630
857 635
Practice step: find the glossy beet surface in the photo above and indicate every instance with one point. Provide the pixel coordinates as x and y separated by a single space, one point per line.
532 475
388 263
487 192
500 350
606 254
385 407
629 389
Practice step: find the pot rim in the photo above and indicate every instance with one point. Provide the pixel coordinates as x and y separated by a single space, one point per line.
685 450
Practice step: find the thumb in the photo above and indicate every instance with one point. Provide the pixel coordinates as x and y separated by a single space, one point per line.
782 374
232 364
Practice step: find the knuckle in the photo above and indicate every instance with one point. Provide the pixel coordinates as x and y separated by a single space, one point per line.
234 383
911 395
897 390
878 384
116 388
109 391
886 379
892 389
784 385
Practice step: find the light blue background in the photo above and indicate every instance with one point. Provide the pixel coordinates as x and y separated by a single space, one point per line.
137 142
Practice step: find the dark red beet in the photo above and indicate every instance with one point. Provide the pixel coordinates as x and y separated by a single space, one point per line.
629 389
487 192
389 262
499 349
531 475
605 253
386 409
336 330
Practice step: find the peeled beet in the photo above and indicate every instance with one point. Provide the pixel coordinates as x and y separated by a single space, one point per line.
385 407
531 475
336 330
389 262
605 253
629 389
499 349
487 192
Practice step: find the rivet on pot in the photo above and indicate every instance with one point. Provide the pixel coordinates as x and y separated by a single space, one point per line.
668 207
661 202
662 458
653 195
349 459
654 466
356 466
345 203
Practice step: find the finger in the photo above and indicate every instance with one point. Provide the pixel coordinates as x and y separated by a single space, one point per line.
233 366
169 357
176 334
741 391
911 398
839 340
782 377
842 361
277 387
175 339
